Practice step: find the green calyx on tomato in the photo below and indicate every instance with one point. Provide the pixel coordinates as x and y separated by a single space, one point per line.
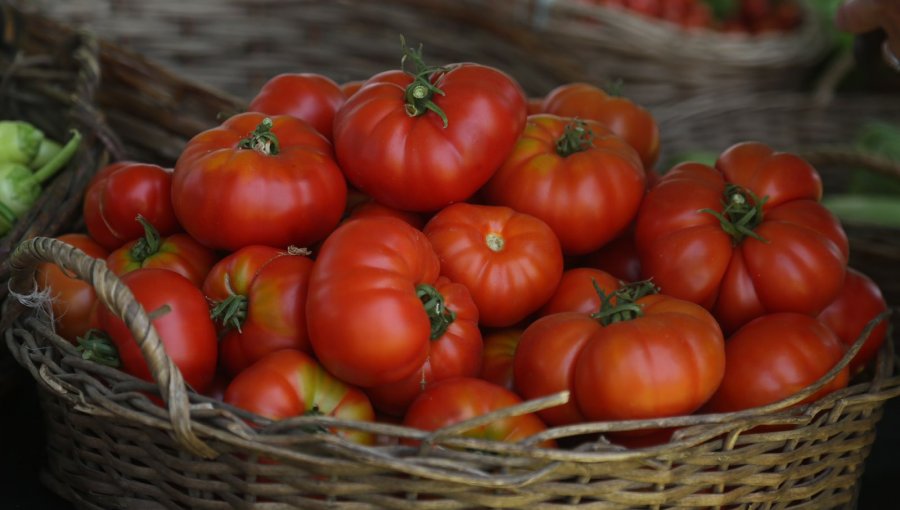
96 346
742 213
262 139
230 312
577 137
421 90
148 245
439 315
621 305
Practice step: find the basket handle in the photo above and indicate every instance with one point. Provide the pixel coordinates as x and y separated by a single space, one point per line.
851 158
119 299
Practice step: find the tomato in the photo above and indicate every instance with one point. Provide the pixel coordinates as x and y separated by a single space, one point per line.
366 316
577 291
180 315
258 294
585 182
745 240
369 208
433 140
775 356
859 302
120 192
454 400
534 105
289 383
73 299
511 262
618 257
498 355
625 118
177 252
258 180
350 87
310 97
455 353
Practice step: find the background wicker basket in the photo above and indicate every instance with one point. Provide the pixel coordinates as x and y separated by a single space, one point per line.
237 45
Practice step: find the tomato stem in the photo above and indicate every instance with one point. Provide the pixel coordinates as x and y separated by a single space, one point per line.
147 245
421 90
230 312
96 346
621 304
440 316
742 212
262 139
494 242
577 137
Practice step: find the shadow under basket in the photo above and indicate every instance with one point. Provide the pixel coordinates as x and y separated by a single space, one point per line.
109 445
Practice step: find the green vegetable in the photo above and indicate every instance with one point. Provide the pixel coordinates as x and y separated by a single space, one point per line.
19 142
45 153
695 156
881 139
20 188
873 210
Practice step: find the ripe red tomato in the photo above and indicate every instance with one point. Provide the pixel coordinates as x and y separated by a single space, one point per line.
73 299
618 257
258 180
498 355
366 316
310 97
745 240
454 400
583 181
455 353
432 140
577 291
369 208
122 191
179 314
859 302
258 299
511 262
177 252
625 118
774 357
350 87
289 383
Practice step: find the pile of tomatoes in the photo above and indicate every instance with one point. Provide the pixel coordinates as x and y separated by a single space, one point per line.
430 245
739 16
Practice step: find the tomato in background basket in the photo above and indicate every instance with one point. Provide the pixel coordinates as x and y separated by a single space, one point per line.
120 192
310 97
775 356
289 383
744 239
454 400
583 181
511 262
180 315
258 300
432 140
859 302
258 180
73 299
178 252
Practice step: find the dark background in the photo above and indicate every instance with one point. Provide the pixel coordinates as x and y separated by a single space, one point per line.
21 443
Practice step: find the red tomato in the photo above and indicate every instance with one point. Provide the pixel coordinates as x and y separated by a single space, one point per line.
454 400
534 105
366 318
510 262
432 140
498 355
310 97
179 314
455 353
774 357
349 88
618 257
625 118
122 191
859 302
289 383
586 183
577 291
256 180
258 294
177 252
369 208
789 255
73 299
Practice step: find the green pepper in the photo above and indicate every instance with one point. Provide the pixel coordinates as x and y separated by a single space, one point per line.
20 187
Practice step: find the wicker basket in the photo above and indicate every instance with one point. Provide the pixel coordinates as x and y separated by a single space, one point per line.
110 446
820 131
